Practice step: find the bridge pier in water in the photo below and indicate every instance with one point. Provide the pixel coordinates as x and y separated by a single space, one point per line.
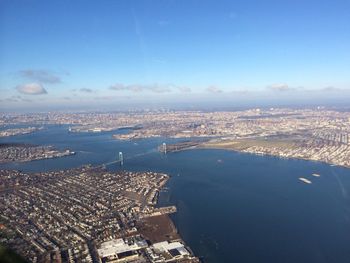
121 159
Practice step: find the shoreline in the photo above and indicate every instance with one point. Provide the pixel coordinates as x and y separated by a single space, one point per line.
216 147
270 155
166 218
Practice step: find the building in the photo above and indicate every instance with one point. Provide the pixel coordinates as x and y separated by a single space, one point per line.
120 250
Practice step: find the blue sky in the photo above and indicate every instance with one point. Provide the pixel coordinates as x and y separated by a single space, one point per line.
126 52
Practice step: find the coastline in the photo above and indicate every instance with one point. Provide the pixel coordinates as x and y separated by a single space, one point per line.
167 230
268 154
230 146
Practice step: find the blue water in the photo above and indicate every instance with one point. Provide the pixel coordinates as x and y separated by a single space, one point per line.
232 207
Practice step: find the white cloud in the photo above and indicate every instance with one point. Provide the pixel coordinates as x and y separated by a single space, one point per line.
31 89
280 87
213 89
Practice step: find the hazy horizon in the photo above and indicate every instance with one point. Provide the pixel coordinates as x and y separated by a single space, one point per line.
87 55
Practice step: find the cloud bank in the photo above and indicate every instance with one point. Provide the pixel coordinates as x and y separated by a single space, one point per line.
332 89
184 89
279 87
86 90
42 76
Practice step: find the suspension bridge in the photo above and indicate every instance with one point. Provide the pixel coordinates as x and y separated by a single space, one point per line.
121 158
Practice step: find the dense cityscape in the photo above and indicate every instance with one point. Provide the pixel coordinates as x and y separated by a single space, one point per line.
88 215
19 131
318 134
24 152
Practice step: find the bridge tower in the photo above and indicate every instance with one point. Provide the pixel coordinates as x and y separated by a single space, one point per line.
164 148
121 159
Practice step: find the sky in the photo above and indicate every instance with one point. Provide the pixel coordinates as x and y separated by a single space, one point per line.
96 54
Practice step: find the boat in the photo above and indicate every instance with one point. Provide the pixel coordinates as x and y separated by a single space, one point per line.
304 180
316 175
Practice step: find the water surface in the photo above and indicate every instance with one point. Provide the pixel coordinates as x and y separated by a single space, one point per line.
232 207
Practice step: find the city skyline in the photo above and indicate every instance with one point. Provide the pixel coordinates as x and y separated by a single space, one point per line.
84 54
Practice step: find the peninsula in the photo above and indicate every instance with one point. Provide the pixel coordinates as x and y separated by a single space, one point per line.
88 214
20 152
